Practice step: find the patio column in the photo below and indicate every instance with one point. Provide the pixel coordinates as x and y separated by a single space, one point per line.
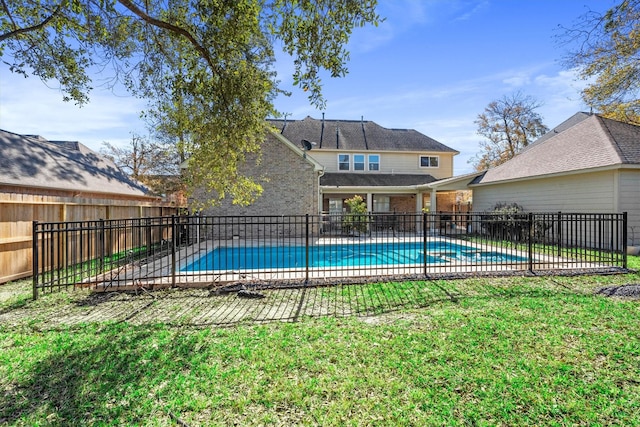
418 218
369 202
434 207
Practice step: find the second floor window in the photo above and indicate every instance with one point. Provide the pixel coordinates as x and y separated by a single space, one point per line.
343 162
359 162
428 161
374 162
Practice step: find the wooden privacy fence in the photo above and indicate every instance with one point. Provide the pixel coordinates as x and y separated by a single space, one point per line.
18 211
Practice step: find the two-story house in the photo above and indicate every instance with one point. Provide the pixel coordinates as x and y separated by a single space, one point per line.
385 166
313 165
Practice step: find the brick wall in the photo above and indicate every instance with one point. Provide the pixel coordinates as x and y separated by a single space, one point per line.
291 186
402 204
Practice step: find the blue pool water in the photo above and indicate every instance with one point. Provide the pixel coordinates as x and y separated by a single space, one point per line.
326 256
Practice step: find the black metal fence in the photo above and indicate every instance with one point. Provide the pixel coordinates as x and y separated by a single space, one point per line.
219 250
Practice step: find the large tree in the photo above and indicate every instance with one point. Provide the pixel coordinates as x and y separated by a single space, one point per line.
508 125
152 162
605 49
204 65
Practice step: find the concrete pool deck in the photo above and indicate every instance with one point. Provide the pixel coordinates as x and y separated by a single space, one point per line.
158 273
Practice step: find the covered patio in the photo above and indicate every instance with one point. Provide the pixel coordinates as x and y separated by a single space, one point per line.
397 193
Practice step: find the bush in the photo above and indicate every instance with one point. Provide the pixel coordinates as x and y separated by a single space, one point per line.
507 221
356 218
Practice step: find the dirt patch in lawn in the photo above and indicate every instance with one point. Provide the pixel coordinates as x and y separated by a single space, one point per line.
628 291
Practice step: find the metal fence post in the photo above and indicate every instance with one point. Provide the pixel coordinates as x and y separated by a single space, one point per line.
424 243
34 258
306 250
559 234
530 242
173 250
624 240
102 243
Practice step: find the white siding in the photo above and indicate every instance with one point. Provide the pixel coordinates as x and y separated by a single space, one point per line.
588 193
390 162
629 201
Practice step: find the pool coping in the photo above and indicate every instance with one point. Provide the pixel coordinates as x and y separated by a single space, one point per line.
158 273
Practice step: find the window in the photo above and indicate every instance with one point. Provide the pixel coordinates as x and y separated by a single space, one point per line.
335 206
428 161
358 162
381 203
343 162
374 162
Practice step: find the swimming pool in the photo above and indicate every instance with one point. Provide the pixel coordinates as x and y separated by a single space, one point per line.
343 255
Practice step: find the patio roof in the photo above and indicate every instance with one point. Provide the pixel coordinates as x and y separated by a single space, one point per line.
460 182
374 180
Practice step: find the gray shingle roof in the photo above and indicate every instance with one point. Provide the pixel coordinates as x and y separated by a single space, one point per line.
65 165
373 180
356 135
592 142
570 122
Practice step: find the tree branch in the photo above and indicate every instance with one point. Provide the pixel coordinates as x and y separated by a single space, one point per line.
170 27
19 31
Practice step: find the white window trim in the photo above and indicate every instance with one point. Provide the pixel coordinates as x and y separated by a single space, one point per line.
339 162
369 163
352 162
427 167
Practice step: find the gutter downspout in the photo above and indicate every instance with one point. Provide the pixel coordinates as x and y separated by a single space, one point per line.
320 200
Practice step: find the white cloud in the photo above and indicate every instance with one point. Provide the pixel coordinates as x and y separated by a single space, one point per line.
30 107
474 8
517 81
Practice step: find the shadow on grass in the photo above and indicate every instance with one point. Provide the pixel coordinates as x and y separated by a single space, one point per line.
93 378
205 308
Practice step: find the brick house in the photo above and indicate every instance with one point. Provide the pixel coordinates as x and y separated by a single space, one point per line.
313 165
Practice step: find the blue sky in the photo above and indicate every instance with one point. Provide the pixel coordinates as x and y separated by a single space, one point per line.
433 66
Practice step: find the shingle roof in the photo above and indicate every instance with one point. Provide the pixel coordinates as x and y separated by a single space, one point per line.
570 122
356 135
592 142
64 165
373 180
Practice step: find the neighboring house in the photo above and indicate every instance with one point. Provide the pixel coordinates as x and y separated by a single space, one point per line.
385 166
51 181
587 164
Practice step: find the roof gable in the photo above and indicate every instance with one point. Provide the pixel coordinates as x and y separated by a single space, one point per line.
353 135
592 142
299 151
36 162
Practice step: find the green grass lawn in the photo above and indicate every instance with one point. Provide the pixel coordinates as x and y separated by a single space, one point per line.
474 352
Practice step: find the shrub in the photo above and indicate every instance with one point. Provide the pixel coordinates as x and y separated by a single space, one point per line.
507 221
356 218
